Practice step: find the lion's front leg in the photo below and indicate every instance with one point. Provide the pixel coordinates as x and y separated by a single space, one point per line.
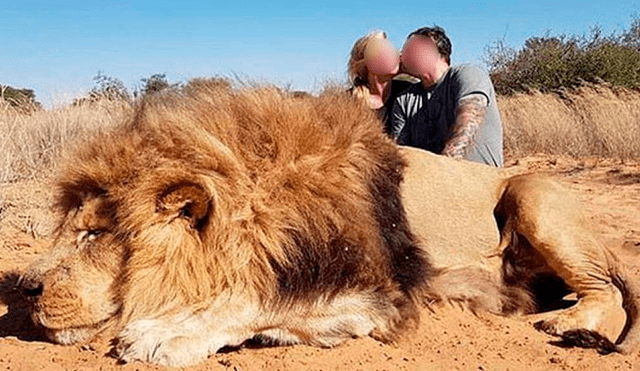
160 342
188 337
552 223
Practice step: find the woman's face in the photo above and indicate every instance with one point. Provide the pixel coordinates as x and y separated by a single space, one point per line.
382 57
420 58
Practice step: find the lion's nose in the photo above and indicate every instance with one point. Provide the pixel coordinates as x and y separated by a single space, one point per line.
31 288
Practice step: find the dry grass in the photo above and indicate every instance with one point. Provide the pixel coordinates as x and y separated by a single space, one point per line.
30 143
594 121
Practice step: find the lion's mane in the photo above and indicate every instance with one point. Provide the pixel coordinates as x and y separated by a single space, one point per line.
293 199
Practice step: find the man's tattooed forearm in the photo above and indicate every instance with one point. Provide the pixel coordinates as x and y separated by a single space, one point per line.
469 119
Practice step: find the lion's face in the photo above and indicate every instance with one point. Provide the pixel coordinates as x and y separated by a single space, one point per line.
114 252
72 289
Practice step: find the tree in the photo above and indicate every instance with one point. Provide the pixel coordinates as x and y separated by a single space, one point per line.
105 87
153 84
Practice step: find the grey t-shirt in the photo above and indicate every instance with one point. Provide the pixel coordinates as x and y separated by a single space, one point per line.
423 118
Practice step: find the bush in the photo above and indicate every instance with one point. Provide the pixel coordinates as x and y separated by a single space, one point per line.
551 63
152 84
22 99
106 87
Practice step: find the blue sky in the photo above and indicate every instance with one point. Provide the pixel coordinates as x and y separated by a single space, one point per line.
57 47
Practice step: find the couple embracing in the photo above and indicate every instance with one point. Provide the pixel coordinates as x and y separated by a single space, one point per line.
451 111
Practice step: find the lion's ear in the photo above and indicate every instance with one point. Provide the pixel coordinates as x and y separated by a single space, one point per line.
186 200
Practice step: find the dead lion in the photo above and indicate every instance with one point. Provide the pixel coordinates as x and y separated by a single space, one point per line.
216 215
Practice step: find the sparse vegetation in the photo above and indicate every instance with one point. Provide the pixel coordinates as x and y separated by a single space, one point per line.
574 95
31 146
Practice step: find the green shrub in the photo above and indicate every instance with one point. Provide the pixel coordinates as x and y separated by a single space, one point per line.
551 63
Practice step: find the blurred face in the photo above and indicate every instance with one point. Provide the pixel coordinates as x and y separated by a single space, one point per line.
420 58
381 57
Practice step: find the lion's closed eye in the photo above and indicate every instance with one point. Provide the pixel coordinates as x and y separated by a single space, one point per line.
92 234
89 235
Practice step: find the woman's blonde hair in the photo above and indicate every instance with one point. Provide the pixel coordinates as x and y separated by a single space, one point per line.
357 70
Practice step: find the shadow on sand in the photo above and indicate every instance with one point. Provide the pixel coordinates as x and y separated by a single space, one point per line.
16 322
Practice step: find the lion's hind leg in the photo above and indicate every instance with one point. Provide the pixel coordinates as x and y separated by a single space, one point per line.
541 212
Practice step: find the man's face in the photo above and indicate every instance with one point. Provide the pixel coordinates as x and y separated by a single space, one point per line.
420 58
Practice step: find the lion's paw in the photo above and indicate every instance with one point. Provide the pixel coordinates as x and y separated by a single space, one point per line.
556 325
142 342
587 329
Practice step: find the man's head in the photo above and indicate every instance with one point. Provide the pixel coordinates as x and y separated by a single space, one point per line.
426 54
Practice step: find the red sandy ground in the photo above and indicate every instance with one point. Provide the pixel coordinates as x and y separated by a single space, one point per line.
447 339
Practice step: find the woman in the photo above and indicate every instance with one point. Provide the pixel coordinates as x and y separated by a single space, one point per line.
373 63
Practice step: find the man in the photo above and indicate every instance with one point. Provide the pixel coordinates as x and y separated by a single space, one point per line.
452 111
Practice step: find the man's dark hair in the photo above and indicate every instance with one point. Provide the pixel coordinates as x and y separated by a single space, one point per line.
439 37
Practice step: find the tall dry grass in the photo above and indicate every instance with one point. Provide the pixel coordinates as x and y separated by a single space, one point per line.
594 121
31 142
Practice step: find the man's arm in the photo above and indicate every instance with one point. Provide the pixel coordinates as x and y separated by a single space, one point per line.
469 118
